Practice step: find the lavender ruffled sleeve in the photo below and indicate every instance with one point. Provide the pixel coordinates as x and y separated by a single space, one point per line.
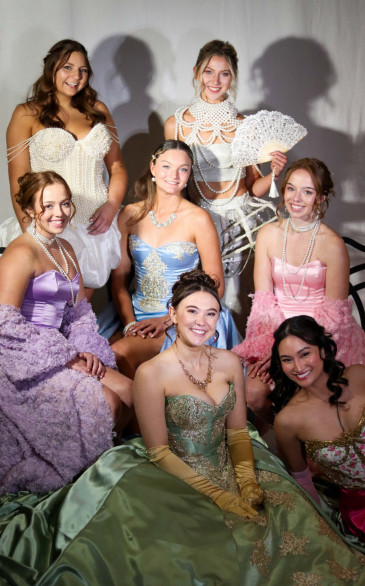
80 328
27 351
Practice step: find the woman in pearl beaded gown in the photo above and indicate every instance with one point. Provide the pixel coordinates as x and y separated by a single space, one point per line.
208 125
321 414
301 267
64 128
60 394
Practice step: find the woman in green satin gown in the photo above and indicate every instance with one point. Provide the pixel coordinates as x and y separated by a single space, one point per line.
192 516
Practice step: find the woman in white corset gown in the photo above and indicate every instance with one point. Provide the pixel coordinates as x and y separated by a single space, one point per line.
62 127
301 268
208 125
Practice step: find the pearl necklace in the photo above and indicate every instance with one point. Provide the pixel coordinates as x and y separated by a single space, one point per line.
157 224
36 236
305 261
302 228
34 232
201 384
219 119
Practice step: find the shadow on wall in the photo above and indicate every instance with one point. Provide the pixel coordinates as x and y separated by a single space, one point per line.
291 75
124 69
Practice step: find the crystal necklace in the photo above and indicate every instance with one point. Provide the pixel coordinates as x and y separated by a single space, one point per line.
304 264
39 238
201 384
157 224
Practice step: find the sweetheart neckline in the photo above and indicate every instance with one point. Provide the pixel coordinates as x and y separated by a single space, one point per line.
163 245
68 132
231 387
53 271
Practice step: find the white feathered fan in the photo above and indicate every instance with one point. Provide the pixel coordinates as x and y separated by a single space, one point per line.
262 133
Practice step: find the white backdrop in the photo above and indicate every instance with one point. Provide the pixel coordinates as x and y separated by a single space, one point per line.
302 57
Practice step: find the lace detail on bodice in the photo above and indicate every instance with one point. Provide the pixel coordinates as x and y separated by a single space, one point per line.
79 162
197 435
157 269
342 459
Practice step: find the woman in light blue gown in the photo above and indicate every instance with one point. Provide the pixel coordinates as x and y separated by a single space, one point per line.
163 236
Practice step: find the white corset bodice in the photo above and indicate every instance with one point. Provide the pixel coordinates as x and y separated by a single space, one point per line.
79 162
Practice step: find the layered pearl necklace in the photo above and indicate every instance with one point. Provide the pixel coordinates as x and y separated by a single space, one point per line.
201 384
221 121
43 242
315 225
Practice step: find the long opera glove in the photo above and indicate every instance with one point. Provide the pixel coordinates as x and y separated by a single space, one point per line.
304 478
240 450
163 458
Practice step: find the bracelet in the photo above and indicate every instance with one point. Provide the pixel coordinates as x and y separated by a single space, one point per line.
125 330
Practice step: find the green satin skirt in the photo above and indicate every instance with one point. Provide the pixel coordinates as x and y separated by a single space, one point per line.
125 522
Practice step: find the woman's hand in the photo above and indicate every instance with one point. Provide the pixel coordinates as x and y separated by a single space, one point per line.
102 219
260 369
278 162
151 327
89 364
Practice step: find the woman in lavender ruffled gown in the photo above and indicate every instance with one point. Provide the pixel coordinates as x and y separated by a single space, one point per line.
60 395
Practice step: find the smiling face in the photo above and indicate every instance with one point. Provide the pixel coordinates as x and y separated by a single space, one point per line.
301 362
73 76
171 170
300 197
215 80
196 317
53 217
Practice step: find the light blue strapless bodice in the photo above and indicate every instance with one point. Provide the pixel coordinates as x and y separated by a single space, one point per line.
156 270
45 299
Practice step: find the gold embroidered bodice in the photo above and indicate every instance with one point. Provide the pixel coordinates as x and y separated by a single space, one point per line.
197 435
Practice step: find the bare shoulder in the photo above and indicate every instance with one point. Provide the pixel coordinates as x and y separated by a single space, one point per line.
127 213
287 418
170 127
19 254
355 374
226 359
272 229
332 244
101 107
24 115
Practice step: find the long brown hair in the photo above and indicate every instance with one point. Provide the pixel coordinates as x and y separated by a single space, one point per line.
145 188
43 98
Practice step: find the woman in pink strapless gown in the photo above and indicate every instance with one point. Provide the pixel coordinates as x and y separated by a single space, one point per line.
301 267
321 414
60 394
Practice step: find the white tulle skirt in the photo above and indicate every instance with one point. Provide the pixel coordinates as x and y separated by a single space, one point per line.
97 255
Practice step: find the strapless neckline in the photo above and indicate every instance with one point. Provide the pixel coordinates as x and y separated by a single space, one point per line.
53 271
174 243
68 132
200 400
312 262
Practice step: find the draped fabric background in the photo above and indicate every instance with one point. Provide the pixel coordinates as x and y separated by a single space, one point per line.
302 57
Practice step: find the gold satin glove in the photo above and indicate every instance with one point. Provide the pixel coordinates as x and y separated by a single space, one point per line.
241 452
163 458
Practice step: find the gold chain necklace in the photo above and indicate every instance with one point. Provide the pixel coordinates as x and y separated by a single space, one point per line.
201 384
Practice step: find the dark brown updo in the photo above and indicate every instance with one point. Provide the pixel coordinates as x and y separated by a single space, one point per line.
192 282
322 181
31 183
